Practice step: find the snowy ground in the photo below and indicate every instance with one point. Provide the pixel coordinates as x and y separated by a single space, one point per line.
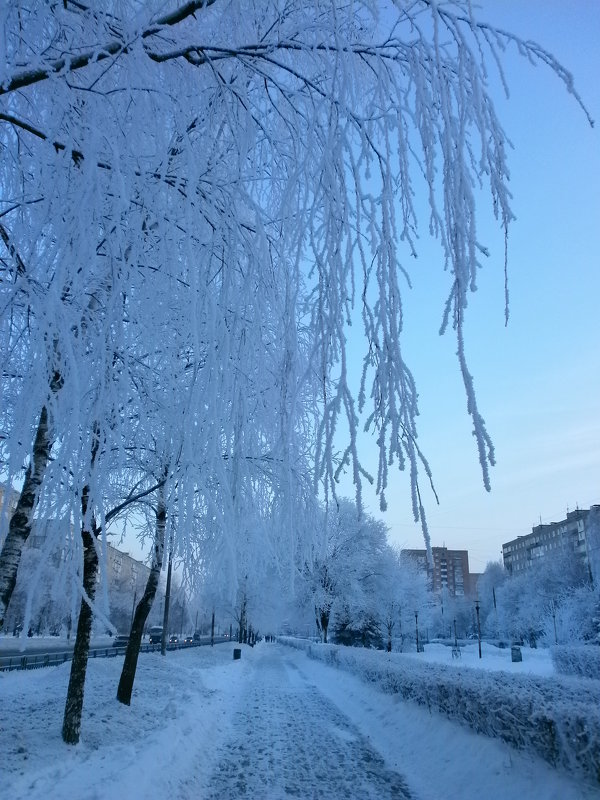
274 724
536 661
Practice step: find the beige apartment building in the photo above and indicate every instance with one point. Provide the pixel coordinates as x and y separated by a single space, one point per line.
569 535
450 570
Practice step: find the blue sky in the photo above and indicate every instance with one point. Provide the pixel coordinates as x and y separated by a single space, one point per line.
537 380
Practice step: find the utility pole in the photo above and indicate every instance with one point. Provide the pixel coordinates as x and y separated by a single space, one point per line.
478 626
212 629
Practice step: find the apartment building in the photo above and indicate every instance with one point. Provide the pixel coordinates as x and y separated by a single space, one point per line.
450 570
549 540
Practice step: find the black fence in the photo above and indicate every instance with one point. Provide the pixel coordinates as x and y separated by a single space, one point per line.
53 659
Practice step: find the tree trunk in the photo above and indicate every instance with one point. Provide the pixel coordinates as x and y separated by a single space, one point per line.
74 705
165 633
142 610
324 625
20 522
212 630
317 620
242 628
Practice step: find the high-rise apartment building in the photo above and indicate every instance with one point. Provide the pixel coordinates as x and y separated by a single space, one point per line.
450 570
548 541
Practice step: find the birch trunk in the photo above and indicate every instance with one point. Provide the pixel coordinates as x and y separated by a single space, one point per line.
142 610
74 704
22 517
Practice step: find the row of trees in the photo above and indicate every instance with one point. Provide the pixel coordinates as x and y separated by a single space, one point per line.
555 603
355 589
193 200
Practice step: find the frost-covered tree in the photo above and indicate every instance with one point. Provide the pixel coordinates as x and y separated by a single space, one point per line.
488 585
400 590
39 601
345 570
413 596
528 604
330 116
570 618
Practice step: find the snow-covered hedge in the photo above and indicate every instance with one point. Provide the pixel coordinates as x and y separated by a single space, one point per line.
583 660
556 718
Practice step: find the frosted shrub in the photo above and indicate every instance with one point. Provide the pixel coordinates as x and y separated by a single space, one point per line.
581 660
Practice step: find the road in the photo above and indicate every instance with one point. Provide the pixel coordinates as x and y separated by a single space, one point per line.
12 649
288 740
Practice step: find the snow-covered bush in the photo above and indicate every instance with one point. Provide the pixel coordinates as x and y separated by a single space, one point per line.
582 660
555 718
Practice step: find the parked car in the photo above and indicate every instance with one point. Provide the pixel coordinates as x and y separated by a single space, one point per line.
196 636
121 640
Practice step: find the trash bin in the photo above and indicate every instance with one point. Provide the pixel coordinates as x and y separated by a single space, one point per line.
237 653
515 653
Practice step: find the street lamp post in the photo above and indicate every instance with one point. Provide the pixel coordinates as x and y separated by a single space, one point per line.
455 636
417 628
478 626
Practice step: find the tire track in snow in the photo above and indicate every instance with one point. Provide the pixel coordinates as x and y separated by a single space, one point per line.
288 740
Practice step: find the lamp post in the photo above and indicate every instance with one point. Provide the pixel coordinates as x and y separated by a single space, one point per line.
455 636
478 626
417 628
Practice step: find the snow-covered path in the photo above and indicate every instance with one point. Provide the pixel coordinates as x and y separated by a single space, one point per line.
288 740
274 724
